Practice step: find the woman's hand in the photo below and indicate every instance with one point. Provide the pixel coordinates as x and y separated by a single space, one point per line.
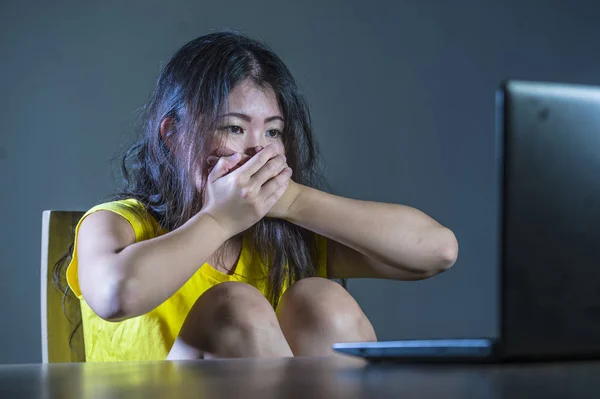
238 196
281 208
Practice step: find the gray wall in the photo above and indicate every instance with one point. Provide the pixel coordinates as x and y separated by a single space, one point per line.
402 98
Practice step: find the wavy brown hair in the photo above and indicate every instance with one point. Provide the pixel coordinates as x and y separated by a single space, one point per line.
192 91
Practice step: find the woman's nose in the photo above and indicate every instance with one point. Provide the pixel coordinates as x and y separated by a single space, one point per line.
253 140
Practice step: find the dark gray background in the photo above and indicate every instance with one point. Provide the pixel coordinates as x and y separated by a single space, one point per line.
402 95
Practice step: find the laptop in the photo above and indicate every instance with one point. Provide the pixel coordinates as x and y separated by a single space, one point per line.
548 157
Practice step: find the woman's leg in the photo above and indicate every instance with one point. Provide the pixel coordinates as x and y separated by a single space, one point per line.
315 312
230 320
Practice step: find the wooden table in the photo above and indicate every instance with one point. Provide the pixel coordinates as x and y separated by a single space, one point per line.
298 378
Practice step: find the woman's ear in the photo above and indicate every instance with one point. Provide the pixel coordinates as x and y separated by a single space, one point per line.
167 128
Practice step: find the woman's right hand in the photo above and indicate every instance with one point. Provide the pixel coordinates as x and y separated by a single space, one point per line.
238 199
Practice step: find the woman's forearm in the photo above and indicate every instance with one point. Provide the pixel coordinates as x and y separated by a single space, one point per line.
153 270
396 235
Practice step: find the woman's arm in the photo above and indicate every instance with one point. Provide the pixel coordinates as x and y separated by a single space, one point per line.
372 239
120 278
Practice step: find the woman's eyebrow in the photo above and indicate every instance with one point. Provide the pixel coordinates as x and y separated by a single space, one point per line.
249 119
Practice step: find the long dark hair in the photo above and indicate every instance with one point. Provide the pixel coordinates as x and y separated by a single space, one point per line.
192 91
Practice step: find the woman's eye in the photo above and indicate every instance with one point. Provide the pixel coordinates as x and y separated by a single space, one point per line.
234 129
273 133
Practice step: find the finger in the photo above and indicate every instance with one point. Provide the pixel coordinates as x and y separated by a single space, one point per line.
212 161
270 170
223 166
224 152
245 158
278 192
276 182
258 161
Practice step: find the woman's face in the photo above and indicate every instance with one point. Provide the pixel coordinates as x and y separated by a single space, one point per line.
253 118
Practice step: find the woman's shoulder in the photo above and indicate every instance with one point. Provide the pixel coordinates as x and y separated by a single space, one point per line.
135 212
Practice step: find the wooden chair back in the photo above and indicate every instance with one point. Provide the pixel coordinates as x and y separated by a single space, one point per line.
58 232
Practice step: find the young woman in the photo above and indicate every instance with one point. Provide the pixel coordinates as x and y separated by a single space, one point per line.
222 244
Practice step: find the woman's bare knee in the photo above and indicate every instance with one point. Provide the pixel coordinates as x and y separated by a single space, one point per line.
316 312
230 320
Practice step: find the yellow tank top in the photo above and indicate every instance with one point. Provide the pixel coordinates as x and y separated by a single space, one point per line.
151 336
